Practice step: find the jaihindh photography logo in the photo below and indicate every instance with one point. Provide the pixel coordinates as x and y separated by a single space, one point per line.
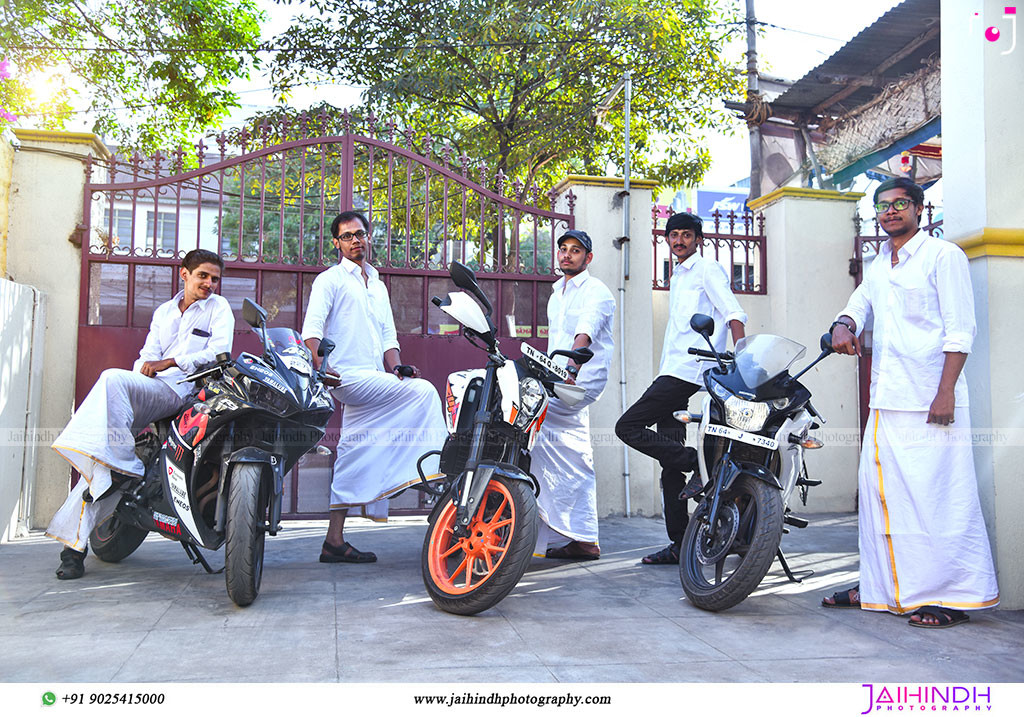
927 698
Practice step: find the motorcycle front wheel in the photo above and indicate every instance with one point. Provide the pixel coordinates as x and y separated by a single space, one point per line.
470 574
112 540
245 535
717 576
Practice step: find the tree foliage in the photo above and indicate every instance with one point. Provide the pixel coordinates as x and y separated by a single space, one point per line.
154 73
519 82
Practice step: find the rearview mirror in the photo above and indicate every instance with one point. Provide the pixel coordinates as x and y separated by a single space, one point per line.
702 324
254 314
463 277
580 356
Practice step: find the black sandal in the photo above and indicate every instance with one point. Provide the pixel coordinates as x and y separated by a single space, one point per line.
665 556
72 564
346 553
693 487
946 617
842 599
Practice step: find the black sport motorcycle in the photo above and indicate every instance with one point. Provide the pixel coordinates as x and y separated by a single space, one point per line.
215 472
753 430
483 528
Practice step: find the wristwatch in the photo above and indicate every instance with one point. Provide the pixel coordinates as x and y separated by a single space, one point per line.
572 370
844 323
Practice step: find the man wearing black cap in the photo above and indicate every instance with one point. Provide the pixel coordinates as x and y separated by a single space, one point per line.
698 286
580 313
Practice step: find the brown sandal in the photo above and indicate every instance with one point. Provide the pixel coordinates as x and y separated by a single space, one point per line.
574 550
842 599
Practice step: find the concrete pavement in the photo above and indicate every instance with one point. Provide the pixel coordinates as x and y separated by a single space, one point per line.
155 617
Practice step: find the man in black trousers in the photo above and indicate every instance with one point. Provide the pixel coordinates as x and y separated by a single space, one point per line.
698 286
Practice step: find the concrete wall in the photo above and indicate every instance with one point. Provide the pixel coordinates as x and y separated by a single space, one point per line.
21 352
45 209
982 151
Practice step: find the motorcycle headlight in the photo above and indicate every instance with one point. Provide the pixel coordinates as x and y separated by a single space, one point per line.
779 403
745 415
720 391
531 398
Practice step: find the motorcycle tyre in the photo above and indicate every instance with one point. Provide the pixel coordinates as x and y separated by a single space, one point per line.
767 534
245 537
507 573
112 541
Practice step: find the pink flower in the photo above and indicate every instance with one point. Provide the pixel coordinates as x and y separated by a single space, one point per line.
5 73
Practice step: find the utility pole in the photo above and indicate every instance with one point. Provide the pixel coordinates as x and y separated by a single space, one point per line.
753 98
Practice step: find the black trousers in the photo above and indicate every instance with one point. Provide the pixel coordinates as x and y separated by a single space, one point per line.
666 395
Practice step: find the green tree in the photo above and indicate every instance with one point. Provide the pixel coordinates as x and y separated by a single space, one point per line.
519 82
166 64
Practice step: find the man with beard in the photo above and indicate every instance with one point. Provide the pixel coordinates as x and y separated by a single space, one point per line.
580 314
923 543
387 422
698 286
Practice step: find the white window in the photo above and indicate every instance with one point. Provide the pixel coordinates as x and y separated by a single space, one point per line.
163 226
121 234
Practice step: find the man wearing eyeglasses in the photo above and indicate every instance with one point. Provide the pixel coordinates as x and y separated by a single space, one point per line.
388 420
923 544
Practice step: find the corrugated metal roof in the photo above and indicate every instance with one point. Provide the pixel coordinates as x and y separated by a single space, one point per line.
893 46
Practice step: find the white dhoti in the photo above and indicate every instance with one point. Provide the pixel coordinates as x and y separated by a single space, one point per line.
386 425
100 437
562 460
922 535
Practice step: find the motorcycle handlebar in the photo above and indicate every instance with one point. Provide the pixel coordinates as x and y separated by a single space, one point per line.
726 355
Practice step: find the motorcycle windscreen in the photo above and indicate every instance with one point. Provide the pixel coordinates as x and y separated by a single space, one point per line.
762 357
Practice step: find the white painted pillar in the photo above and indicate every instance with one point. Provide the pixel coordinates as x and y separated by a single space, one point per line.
983 151
598 211
810 239
45 210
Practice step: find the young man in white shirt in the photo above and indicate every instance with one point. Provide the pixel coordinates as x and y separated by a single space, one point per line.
701 286
185 332
388 421
580 314
923 544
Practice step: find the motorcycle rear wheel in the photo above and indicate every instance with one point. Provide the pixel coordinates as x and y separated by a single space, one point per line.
728 581
468 575
244 535
112 541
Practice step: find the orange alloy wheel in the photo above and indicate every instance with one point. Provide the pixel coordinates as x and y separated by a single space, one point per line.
459 566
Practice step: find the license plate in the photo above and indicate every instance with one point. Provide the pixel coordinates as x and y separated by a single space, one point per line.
543 359
743 437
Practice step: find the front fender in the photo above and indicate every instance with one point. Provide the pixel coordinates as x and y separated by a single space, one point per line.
274 468
759 472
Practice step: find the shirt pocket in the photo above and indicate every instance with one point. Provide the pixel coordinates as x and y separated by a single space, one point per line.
685 305
197 342
915 302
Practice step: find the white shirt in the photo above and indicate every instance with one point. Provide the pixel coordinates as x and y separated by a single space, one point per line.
192 338
583 305
698 286
354 314
922 307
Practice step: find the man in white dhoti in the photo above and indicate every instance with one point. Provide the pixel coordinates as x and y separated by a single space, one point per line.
387 422
580 314
923 544
698 285
99 440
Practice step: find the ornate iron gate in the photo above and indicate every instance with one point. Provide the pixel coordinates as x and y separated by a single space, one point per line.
267 209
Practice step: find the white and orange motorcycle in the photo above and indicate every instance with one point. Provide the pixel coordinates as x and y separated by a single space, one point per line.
483 529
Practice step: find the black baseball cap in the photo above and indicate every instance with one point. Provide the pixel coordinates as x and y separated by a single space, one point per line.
581 236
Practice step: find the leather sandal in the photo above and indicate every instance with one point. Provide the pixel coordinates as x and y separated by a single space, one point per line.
72 564
947 617
842 599
665 556
574 550
345 553
693 487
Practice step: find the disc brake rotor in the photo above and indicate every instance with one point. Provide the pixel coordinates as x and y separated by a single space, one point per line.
714 542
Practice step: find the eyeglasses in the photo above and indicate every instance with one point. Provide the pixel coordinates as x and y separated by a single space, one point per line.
351 236
899 204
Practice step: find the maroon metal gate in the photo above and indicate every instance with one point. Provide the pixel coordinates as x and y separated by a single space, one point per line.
266 208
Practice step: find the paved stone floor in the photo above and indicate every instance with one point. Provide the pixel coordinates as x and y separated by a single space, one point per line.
612 620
